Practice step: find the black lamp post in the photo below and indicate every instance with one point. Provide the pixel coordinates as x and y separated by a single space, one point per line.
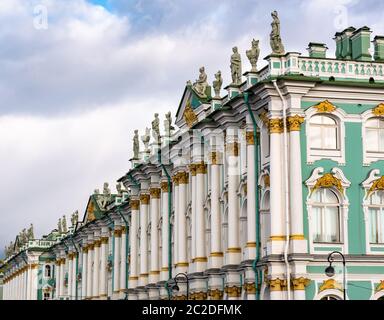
175 286
330 271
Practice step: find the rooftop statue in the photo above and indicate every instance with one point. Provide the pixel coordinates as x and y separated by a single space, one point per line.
59 226
236 67
23 237
106 196
136 145
97 191
275 39
64 224
201 84
217 83
253 54
145 138
75 218
156 129
119 189
168 124
30 234
106 190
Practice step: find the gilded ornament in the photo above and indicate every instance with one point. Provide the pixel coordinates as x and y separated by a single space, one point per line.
376 185
233 291
201 168
164 186
189 115
135 204
325 107
379 110
175 179
201 259
215 157
192 169
116 233
380 286
276 125
104 240
234 250
200 295
216 254
183 177
328 181
144 198
264 117
266 179
233 149
277 284
249 138
330 284
155 193
294 123
300 283
250 288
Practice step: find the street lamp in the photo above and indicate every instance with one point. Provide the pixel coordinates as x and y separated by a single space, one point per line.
330 271
175 286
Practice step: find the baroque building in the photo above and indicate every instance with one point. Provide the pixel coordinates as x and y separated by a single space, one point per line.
247 197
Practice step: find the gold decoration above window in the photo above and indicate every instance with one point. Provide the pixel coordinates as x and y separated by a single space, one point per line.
325 106
379 110
189 115
380 286
328 181
330 284
376 185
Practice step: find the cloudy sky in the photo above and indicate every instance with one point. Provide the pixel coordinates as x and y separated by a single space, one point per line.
77 77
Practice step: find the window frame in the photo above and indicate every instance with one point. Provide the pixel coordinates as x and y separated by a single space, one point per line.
370 156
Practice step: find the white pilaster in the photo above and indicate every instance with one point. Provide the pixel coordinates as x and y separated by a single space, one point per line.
154 273
134 250
144 202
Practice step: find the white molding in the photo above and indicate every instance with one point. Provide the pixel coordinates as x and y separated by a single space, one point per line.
336 155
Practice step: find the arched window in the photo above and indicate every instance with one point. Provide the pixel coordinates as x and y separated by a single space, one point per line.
326 216
376 217
374 135
323 133
330 297
47 271
265 221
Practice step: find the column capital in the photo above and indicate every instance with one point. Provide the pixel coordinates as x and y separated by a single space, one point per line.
144 199
215 157
201 168
232 148
249 138
135 204
164 186
233 291
300 283
155 193
277 284
175 179
276 125
250 288
294 122
183 177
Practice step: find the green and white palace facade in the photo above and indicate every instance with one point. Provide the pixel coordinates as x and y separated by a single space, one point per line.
247 195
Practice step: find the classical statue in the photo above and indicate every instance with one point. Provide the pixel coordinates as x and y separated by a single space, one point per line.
168 124
253 54
145 138
217 83
97 191
136 146
23 237
236 66
106 190
75 218
30 234
59 226
64 224
201 84
119 189
275 39
156 129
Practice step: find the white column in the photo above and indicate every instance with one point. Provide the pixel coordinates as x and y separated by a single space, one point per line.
96 269
89 270
103 268
277 239
70 274
165 232
155 213
192 169
57 280
62 277
123 260
175 251
116 262
84 274
182 263
216 247
35 269
296 195
74 276
251 200
144 202
232 152
134 250
201 255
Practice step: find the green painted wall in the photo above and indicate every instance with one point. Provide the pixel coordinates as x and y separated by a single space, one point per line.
353 170
359 290
310 291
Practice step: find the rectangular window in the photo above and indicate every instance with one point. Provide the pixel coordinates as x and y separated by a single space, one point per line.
376 225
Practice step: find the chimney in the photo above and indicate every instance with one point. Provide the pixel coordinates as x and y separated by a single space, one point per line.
378 43
317 50
361 43
343 43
